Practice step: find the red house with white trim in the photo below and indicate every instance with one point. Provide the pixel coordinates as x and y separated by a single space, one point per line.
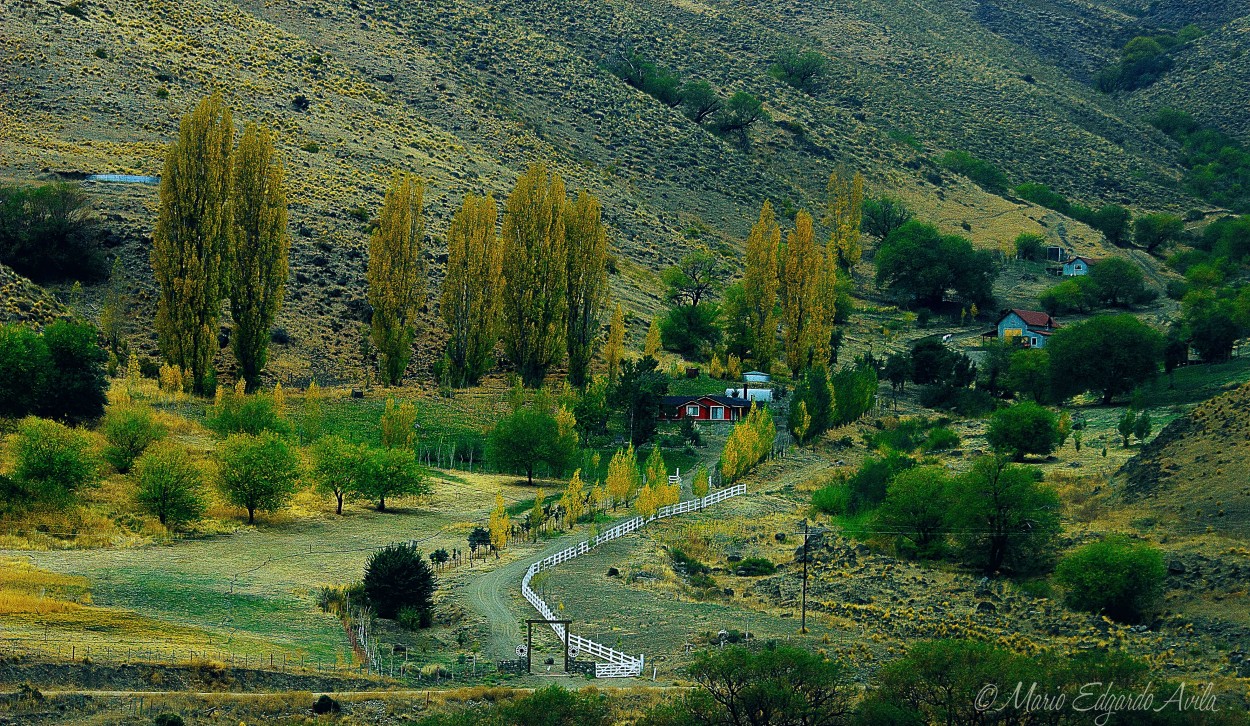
704 408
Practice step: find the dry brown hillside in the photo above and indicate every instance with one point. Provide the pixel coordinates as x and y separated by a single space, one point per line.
1194 471
468 93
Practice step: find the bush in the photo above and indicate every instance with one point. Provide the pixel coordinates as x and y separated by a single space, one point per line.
833 499
1023 429
410 618
258 473
50 233
916 506
922 263
755 567
24 365
1030 246
129 431
75 382
238 413
984 174
868 486
1115 576
170 719
325 704
683 562
398 577
799 69
53 462
941 439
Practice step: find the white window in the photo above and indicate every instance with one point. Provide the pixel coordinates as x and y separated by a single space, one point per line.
692 409
718 413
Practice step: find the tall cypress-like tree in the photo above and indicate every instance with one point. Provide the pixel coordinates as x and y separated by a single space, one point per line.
190 240
615 347
844 209
760 284
397 274
535 274
801 293
470 302
258 249
587 271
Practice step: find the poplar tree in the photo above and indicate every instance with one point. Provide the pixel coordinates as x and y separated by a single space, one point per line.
760 284
622 479
396 274
258 249
189 243
843 214
651 346
801 293
470 303
535 273
574 499
615 346
499 525
587 274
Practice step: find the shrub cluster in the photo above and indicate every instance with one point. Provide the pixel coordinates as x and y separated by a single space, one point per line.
50 233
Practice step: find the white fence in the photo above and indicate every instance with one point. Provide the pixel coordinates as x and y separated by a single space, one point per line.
618 664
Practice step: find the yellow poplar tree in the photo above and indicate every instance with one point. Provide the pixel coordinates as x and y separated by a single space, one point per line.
614 349
622 476
312 423
258 249
499 525
803 422
801 293
574 499
189 243
599 497
470 302
535 259
844 207
399 425
537 515
651 346
587 273
656 470
760 283
396 274
700 485
279 399
648 501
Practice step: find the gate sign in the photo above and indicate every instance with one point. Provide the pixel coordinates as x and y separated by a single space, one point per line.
574 652
521 650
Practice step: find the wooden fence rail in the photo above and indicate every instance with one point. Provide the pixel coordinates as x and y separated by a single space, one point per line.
618 664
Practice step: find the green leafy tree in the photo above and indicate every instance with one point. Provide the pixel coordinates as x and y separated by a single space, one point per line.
189 244
1074 295
883 215
1122 579
1029 374
396 274
75 384
699 101
52 462
24 365
528 438
868 486
924 264
639 395
337 467
1115 223
985 174
397 577
815 395
1030 246
1107 354
1155 232
170 485
49 232
257 249
1023 429
801 69
1127 425
1142 427
235 412
257 473
1008 519
386 472
1118 282
917 505
129 430
740 113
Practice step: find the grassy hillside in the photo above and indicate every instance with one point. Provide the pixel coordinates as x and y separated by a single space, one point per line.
467 94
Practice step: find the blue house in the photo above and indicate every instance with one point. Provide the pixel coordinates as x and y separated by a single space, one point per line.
1027 327
1075 266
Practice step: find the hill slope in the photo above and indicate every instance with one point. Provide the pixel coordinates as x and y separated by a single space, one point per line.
1194 470
468 93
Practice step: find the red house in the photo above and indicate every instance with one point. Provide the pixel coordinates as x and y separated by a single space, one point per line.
704 408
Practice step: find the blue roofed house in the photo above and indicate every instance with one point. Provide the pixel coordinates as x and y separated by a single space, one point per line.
1028 327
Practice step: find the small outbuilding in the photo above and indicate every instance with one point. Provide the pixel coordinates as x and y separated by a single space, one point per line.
1077 266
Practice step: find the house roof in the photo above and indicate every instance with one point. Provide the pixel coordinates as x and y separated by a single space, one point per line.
1033 318
731 401
1088 260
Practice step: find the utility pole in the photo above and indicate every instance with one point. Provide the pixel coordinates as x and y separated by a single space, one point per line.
807 532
